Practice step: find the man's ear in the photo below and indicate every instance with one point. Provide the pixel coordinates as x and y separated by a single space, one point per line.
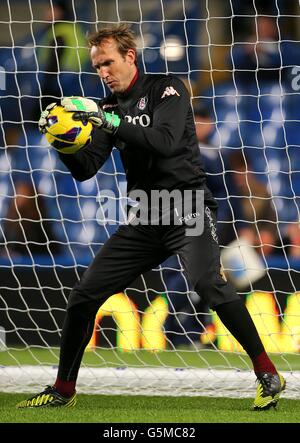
131 56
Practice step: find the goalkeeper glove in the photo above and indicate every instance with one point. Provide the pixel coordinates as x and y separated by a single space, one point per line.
43 118
87 109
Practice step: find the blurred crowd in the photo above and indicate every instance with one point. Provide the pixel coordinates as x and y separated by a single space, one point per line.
247 128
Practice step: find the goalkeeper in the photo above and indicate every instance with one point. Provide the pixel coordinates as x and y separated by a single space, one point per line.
149 119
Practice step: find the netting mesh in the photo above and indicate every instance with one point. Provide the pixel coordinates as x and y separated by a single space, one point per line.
240 65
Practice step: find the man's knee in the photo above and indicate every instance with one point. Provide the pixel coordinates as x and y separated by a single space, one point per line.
81 310
215 290
206 282
80 304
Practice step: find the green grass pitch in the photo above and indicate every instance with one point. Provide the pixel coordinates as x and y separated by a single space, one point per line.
140 409
144 409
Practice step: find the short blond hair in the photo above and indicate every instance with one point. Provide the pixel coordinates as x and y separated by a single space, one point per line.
121 33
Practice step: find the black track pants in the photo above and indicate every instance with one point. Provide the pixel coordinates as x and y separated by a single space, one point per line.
132 251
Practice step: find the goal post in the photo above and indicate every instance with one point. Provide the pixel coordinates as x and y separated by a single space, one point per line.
157 337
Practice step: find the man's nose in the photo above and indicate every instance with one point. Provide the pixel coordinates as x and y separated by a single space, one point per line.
103 72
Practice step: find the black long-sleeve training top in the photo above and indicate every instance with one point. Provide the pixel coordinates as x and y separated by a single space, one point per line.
156 138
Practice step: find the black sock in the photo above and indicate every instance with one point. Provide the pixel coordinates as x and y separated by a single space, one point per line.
76 334
238 321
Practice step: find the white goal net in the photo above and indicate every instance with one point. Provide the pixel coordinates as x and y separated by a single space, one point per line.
241 64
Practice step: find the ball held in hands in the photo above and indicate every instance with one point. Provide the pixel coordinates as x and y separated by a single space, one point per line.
86 109
64 130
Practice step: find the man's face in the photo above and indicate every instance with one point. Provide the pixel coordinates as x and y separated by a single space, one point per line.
116 70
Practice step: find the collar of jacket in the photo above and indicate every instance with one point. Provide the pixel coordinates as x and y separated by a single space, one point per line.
127 99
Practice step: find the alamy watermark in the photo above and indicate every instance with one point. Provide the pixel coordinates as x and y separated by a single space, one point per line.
2 79
296 78
158 207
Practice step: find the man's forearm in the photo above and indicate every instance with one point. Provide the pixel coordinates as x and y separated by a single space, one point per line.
86 162
160 141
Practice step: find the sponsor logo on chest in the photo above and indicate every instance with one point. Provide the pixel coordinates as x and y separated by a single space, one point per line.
142 120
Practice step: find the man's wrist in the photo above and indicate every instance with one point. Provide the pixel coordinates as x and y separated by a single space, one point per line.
113 119
111 123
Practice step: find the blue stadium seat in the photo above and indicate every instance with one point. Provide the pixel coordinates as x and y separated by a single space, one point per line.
269 133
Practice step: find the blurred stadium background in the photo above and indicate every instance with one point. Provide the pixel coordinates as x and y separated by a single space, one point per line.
50 226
